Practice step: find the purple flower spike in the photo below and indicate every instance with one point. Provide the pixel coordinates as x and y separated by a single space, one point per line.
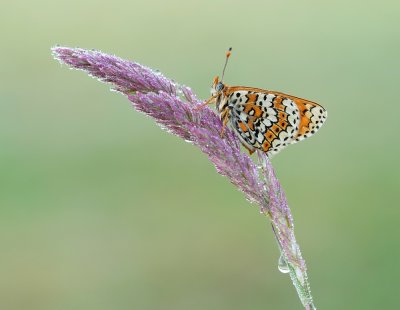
172 106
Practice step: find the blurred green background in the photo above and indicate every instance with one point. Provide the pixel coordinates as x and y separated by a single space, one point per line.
100 209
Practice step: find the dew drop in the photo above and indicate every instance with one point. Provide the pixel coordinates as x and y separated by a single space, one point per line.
157 72
311 306
282 264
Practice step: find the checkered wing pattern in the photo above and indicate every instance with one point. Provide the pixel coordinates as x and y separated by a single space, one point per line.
269 120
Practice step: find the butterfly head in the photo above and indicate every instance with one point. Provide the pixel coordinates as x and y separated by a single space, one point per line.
217 86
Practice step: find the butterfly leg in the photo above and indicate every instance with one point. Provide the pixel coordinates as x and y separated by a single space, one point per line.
250 151
225 120
199 107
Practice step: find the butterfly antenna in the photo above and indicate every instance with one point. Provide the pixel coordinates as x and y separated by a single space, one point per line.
228 54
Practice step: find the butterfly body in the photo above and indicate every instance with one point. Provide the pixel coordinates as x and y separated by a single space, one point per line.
266 120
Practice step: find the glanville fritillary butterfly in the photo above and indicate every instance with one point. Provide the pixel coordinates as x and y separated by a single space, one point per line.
264 119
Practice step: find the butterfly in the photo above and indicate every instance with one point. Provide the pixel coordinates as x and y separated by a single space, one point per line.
263 119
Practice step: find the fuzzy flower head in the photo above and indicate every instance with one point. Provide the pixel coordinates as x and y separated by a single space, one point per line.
173 107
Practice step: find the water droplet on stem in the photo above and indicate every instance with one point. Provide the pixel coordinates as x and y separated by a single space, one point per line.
282 264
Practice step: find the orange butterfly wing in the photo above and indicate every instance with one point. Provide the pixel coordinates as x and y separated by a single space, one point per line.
293 119
312 115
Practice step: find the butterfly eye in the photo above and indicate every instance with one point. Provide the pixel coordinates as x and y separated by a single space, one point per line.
219 87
